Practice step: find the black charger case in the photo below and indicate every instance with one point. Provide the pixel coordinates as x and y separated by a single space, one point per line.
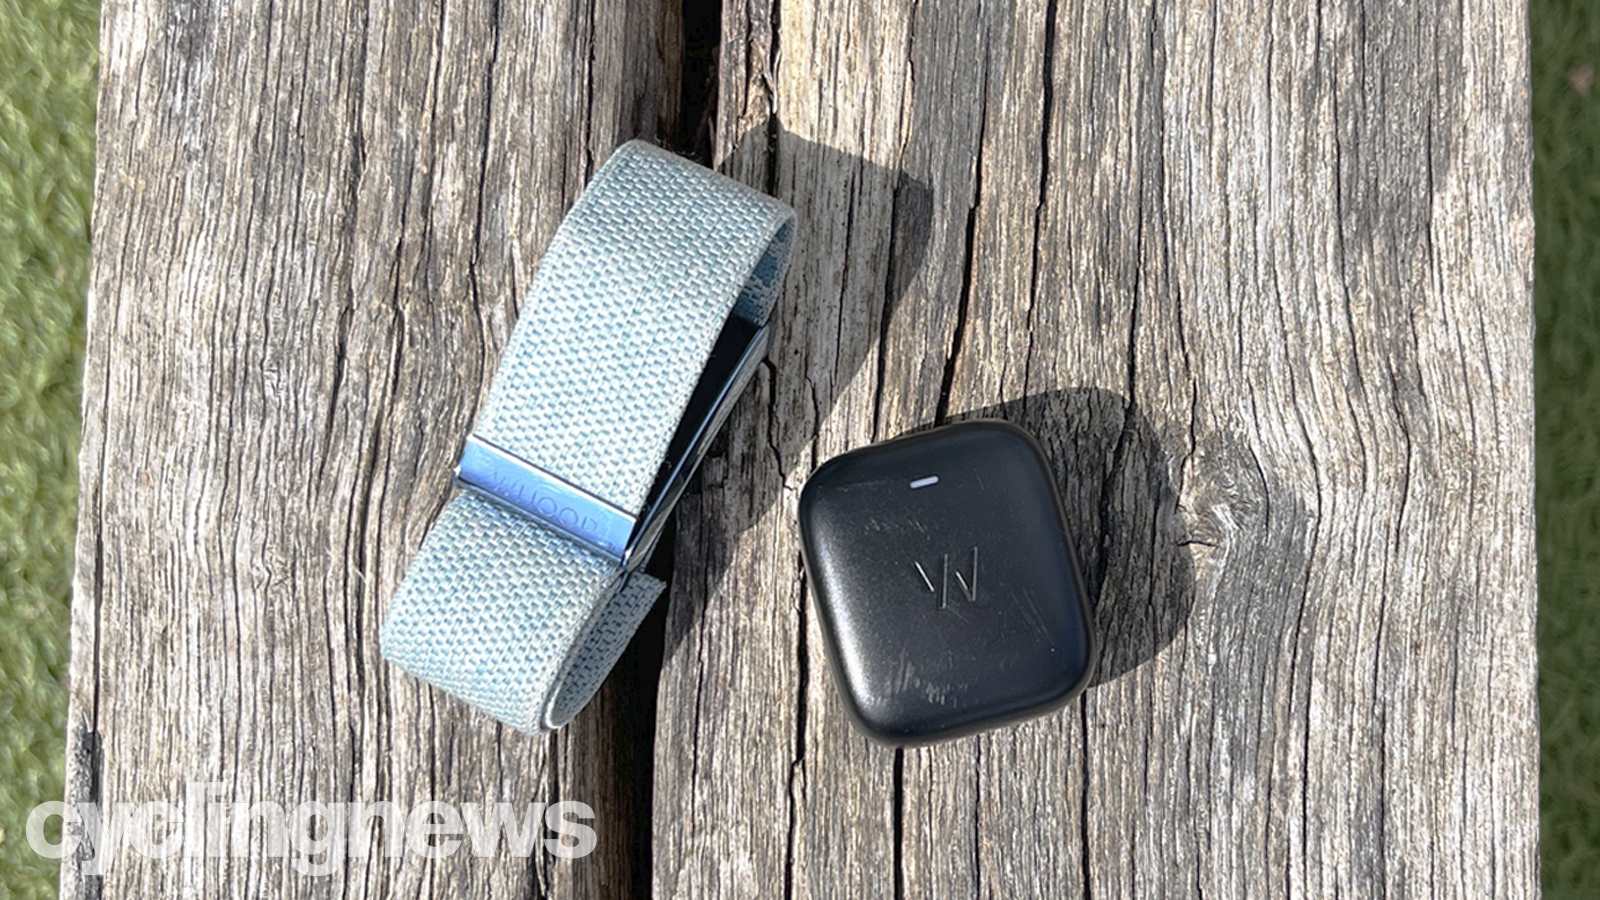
946 584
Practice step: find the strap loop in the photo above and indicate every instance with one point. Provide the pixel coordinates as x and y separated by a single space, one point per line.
520 604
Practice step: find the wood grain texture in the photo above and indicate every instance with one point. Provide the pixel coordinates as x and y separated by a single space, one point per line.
1258 278
1259 275
313 223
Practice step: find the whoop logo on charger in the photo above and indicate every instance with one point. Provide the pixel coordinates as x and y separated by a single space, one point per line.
966 584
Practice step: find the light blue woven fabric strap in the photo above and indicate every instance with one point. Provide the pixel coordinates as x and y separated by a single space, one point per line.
499 608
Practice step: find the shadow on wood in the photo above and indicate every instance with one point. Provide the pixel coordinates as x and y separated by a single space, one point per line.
842 182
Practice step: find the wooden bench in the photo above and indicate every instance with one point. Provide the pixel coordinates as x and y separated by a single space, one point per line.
1258 275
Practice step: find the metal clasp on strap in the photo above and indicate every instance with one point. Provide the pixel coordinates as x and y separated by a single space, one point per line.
518 484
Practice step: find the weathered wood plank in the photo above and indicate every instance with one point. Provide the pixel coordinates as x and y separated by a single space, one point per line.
1259 275
313 223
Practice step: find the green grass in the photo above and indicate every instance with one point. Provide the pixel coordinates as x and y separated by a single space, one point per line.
46 154
47 84
1566 201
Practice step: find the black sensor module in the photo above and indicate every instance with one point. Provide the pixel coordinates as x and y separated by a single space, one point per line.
948 590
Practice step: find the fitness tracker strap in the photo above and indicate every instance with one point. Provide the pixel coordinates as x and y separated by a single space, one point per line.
645 320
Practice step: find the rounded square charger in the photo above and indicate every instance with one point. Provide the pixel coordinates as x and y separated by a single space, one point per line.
949 594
